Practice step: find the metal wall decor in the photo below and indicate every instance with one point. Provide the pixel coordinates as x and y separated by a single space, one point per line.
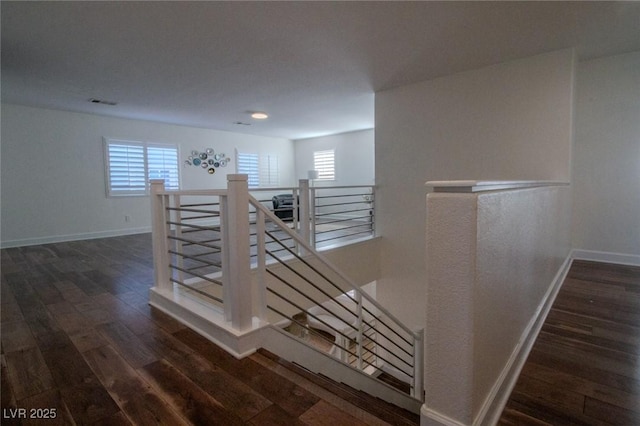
207 159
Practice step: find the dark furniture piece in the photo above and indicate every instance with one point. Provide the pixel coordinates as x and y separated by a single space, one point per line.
283 206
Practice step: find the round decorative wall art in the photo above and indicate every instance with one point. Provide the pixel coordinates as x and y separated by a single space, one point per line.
208 160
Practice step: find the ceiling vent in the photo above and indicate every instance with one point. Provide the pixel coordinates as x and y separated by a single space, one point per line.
102 102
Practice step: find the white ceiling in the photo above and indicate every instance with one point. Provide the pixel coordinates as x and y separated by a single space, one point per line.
313 66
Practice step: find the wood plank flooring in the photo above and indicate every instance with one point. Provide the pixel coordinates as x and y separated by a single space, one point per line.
79 337
79 340
584 368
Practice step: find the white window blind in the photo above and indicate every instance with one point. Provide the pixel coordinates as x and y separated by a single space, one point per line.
262 170
130 165
126 168
324 163
269 173
162 163
248 163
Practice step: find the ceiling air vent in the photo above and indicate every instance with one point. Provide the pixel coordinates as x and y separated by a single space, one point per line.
102 102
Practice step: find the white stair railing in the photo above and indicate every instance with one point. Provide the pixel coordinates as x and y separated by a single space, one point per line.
338 213
324 216
203 245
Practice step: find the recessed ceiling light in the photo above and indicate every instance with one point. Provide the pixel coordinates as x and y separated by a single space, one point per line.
259 115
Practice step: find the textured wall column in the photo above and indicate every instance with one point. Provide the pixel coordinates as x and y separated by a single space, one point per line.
451 246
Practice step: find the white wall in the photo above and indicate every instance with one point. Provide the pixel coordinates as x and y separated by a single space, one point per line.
493 259
53 174
354 157
510 121
606 169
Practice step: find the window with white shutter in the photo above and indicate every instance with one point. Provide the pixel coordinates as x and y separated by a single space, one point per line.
162 163
130 165
269 174
324 163
248 164
262 170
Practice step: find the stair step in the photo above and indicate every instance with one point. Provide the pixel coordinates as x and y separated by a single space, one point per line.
384 410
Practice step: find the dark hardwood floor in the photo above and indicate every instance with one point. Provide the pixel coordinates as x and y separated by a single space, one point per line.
584 368
80 342
78 337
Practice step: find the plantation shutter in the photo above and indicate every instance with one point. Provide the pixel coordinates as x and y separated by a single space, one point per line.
162 163
130 165
248 163
324 163
269 174
126 168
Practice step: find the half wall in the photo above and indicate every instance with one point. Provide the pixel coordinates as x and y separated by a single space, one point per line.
496 254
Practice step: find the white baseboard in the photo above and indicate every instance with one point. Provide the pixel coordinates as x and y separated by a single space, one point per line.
607 257
73 237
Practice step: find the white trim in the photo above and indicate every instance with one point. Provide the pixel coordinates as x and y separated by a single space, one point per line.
73 237
608 257
487 185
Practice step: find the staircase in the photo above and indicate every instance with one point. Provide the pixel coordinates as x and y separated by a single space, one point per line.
269 280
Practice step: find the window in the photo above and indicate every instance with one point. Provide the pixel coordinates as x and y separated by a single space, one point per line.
130 165
262 170
324 163
248 165
269 171
162 163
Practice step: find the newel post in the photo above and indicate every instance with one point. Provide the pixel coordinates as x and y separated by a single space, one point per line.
236 262
160 231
